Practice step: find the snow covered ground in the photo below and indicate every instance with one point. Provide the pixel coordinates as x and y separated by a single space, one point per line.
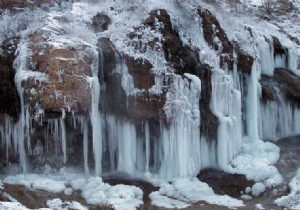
291 201
181 193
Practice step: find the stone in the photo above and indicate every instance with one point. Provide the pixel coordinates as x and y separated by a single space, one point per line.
288 84
67 70
114 99
224 183
100 22
10 101
213 31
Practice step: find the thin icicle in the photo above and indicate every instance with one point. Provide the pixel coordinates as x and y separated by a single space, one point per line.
63 139
147 140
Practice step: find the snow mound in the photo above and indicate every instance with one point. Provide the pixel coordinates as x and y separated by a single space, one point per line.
256 161
38 182
96 192
291 201
59 204
182 192
258 188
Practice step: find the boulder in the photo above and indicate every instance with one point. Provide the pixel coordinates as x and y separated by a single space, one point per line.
223 183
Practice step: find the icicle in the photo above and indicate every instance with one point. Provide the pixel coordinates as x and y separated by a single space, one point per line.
95 115
279 120
266 53
127 147
63 139
294 61
252 103
226 105
180 143
147 145
84 128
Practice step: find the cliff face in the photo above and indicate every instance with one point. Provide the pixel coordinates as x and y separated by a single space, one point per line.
170 93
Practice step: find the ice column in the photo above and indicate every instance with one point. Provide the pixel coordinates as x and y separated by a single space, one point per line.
226 105
180 142
95 115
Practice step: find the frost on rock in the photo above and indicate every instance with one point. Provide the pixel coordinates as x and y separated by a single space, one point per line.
59 204
182 192
34 181
291 201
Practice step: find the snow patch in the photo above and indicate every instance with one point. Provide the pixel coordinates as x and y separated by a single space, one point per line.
59 204
291 201
182 192
258 188
37 182
96 192
256 161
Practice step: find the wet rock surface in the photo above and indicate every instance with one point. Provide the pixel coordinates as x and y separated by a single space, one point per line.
115 100
10 101
216 37
100 22
223 183
283 85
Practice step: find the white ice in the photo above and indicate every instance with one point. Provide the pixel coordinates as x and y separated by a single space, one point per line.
183 192
34 181
292 200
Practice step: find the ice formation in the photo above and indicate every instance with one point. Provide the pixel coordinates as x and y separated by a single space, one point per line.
179 149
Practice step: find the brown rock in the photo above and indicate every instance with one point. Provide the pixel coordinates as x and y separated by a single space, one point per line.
287 83
66 69
278 48
184 60
179 57
224 183
213 30
244 61
114 99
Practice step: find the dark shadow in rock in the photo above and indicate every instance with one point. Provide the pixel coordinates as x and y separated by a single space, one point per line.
223 183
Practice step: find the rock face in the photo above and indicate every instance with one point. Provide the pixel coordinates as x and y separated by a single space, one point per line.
10 102
11 4
129 129
114 99
224 183
284 85
67 70
215 36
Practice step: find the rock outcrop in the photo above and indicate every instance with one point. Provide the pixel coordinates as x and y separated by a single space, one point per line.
67 70
284 85
10 102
